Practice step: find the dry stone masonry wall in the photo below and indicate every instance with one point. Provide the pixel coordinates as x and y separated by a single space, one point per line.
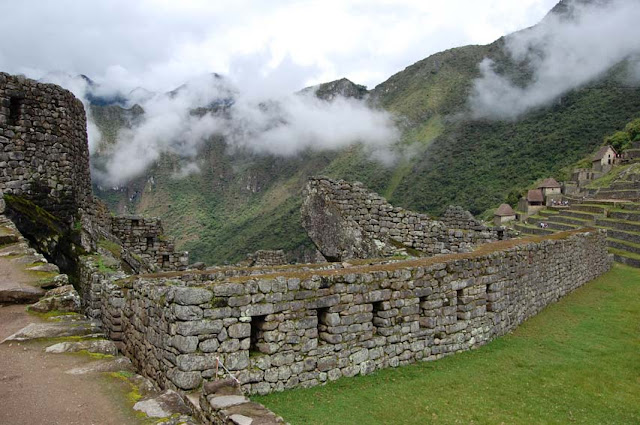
264 257
346 221
145 237
44 155
300 328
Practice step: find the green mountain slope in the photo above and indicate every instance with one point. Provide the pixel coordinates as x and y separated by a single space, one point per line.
241 202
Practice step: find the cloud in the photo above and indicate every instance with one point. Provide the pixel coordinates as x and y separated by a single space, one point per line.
284 126
563 52
159 44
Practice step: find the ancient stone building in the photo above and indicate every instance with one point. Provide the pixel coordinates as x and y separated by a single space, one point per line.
145 237
276 329
44 155
347 221
266 257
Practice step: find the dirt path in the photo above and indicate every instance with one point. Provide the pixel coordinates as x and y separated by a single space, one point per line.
35 389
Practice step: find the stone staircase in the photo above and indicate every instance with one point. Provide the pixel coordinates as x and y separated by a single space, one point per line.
615 208
621 219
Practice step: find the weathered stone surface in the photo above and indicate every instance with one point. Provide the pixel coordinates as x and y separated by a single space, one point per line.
190 362
192 296
185 380
221 386
337 236
186 344
64 299
240 419
54 330
224 401
101 346
166 404
116 365
199 327
240 330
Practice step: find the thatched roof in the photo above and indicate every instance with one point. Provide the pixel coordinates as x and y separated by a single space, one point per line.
535 195
549 183
504 210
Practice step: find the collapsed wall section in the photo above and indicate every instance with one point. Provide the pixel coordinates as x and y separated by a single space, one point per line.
300 328
44 155
347 221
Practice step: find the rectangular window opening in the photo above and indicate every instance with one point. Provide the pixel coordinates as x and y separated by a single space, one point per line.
150 242
135 223
15 105
257 328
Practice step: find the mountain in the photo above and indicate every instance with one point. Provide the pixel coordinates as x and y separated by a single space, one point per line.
241 201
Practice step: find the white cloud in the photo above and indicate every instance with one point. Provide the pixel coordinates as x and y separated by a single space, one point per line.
282 126
562 55
160 44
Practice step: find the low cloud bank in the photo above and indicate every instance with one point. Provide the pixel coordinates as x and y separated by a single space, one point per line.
564 52
179 122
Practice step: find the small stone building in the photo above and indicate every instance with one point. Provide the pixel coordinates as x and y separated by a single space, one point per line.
532 203
503 214
550 187
604 159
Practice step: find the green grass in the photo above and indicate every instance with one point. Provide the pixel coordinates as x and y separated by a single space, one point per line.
576 362
623 253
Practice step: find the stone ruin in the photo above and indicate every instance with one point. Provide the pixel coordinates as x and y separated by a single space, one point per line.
276 326
45 180
347 221
265 257
145 238
44 155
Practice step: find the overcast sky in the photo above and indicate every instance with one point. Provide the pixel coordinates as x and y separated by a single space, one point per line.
282 45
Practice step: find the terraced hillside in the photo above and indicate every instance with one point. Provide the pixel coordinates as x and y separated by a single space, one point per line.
615 207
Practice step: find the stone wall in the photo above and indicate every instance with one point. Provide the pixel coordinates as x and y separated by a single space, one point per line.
346 221
145 237
44 156
267 258
456 217
300 328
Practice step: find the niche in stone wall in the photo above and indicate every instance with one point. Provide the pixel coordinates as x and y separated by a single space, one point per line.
489 303
135 223
150 242
381 317
462 311
323 326
15 110
258 325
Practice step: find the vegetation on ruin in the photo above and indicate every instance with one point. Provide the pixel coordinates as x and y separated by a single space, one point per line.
576 362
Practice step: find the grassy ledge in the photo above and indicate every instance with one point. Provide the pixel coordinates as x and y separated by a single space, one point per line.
576 362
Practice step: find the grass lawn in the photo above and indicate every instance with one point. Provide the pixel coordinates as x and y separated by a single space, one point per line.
578 362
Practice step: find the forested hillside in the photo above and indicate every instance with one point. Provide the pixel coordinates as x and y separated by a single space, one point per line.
241 201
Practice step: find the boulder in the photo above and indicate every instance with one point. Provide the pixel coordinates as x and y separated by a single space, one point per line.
336 236
64 299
